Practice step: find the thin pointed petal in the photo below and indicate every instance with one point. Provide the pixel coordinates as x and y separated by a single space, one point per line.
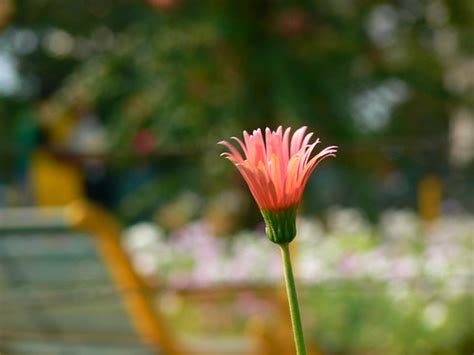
242 145
234 152
296 140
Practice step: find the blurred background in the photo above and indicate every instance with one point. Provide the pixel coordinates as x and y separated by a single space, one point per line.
122 103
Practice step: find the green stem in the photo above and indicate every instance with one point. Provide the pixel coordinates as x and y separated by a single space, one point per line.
293 300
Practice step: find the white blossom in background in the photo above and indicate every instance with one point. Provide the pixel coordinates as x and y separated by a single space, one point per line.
413 263
144 243
375 264
347 221
399 225
254 259
435 315
310 267
452 229
310 231
405 267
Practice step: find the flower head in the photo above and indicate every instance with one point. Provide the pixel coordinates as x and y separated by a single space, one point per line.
276 169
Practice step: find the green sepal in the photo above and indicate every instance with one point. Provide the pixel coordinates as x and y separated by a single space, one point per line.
280 226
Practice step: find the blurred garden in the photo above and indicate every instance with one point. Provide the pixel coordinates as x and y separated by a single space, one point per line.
115 204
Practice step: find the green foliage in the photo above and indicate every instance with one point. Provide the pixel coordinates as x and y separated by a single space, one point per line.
378 79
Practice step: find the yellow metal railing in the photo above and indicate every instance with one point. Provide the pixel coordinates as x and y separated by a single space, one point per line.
136 297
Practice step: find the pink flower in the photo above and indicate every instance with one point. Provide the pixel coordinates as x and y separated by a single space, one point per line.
276 169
